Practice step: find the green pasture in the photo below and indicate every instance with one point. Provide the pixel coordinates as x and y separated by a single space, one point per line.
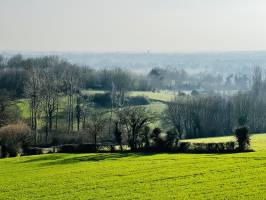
157 106
137 176
162 95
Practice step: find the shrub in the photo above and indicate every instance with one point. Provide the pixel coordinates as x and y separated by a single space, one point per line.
242 137
156 137
171 138
230 146
221 147
138 100
102 99
200 147
184 146
60 139
13 138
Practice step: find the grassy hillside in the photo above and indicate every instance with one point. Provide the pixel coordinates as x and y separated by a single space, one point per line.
163 95
158 99
137 176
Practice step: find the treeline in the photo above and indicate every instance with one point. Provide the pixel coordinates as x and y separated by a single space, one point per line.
213 115
15 73
173 79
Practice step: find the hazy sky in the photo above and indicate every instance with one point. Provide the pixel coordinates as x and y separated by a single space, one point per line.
132 25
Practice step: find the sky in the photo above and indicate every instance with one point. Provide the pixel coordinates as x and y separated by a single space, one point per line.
132 25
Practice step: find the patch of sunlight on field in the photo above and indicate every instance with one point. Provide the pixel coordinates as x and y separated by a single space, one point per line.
258 141
137 176
92 92
24 108
162 95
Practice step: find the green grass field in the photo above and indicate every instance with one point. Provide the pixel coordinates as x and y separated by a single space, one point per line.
22 108
163 95
137 176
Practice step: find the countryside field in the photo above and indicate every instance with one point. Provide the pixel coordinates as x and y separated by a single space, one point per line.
157 105
137 176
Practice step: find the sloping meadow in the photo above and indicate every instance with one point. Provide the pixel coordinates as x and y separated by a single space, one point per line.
137 176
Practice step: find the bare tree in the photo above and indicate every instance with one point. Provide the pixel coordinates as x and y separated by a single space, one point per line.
71 86
33 91
50 99
120 84
174 115
134 119
4 103
257 81
96 125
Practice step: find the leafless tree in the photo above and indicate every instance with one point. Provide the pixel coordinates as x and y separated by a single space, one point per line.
33 91
134 119
96 125
49 94
71 87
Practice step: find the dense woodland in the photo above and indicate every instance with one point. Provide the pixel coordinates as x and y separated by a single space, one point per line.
62 111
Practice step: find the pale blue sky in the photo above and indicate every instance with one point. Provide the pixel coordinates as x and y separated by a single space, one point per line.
132 25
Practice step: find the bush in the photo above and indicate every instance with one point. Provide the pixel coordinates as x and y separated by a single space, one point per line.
184 146
118 134
221 147
67 139
13 138
103 100
146 136
138 100
156 137
242 137
230 146
171 139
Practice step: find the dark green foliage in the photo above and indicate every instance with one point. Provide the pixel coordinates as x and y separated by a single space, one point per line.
77 148
230 146
60 139
184 146
102 99
171 138
222 147
105 100
138 100
164 142
155 136
242 137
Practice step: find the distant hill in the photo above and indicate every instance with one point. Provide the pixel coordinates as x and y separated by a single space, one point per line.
218 62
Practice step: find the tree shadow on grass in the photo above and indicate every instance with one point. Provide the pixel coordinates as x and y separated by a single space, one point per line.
46 157
58 159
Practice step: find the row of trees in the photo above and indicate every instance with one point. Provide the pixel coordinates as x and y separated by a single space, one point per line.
214 115
15 71
13 76
171 78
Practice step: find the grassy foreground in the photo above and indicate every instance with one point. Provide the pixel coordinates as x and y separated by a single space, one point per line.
137 176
